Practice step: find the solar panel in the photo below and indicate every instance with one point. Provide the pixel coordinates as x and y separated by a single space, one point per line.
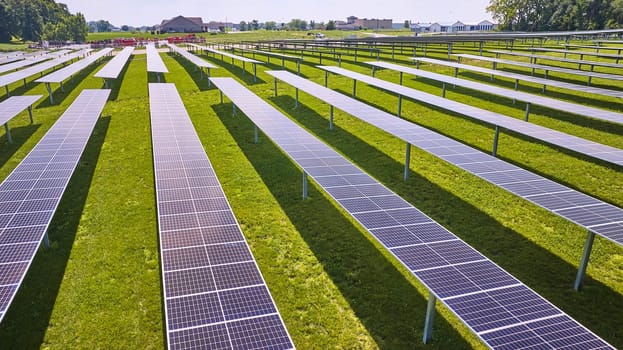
30 195
233 57
573 143
154 61
13 106
63 74
522 77
454 272
552 103
23 63
197 61
588 212
114 67
7 60
215 296
546 68
7 79
581 53
533 59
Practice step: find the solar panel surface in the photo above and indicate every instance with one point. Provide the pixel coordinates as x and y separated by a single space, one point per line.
23 63
583 53
573 143
63 74
498 308
114 67
544 67
522 77
557 58
30 195
11 78
197 61
215 296
154 61
14 105
226 54
552 103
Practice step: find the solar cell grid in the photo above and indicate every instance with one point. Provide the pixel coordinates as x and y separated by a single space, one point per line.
592 149
29 197
565 106
521 77
210 278
448 267
199 62
63 74
154 61
113 68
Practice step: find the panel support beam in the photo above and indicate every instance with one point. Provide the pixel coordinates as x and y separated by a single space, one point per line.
256 136
331 119
49 88
586 254
495 141
354 88
305 185
430 318
407 161
8 132
527 111
399 105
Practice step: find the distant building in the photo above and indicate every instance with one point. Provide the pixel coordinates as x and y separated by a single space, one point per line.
181 24
354 23
455 27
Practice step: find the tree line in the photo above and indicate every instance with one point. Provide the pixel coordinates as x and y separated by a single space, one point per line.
35 20
557 15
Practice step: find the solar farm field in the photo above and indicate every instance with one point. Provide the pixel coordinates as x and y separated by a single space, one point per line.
99 284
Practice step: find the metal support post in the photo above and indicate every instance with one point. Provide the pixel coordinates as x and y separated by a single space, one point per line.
527 111
8 132
256 136
430 318
443 90
221 96
46 241
209 75
407 161
399 105
298 67
400 78
296 101
47 86
275 87
586 254
305 185
234 110
30 114
254 72
354 88
8 94
495 141
516 84
326 79
331 119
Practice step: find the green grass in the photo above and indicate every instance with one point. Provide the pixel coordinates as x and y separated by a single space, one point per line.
13 46
99 286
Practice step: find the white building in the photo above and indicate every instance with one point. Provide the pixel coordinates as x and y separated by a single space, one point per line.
458 26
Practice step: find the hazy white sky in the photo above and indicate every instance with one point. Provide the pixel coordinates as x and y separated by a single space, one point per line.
150 12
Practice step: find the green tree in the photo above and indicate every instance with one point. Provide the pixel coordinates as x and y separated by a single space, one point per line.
270 25
406 25
243 26
297 24
7 23
331 25
255 25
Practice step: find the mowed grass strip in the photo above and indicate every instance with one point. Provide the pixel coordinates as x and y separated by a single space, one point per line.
99 286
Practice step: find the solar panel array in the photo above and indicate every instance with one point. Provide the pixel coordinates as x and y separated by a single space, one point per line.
522 77
581 53
154 61
573 143
544 67
226 54
197 61
502 311
113 68
557 58
588 212
30 195
11 78
23 63
215 296
62 74
548 102
6 60
14 105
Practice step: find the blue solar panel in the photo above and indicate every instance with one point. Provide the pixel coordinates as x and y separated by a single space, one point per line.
215 296
450 268
30 195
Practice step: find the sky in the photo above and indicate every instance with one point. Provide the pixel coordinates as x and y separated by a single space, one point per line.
151 12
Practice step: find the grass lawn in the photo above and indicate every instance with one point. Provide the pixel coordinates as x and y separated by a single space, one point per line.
99 287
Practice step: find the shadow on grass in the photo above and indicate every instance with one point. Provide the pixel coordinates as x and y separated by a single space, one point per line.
28 317
244 74
200 79
520 256
116 83
73 82
384 301
19 135
153 78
